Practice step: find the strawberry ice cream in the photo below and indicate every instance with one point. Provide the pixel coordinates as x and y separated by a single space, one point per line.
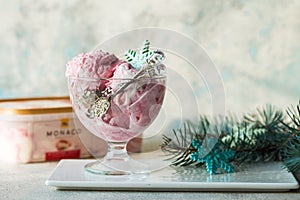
132 109
98 64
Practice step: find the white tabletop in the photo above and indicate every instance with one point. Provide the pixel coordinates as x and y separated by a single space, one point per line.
27 181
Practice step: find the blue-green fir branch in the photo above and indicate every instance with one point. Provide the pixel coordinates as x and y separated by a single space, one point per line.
268 134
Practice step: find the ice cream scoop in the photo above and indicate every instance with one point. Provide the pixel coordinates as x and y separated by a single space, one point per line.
121 96
102 103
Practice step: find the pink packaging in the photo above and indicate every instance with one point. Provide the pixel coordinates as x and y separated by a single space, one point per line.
43 129
38 129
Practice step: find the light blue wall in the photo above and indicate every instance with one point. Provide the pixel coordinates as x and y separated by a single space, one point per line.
254 44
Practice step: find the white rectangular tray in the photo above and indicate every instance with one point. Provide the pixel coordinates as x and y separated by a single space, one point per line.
70 175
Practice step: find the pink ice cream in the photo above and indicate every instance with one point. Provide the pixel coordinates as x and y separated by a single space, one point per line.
98 64
131 111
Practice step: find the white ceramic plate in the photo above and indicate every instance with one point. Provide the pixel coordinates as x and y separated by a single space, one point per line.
70 175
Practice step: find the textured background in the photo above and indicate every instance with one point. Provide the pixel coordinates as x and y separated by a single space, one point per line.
254 44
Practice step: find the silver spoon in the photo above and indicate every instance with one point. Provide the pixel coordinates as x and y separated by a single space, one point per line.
102 103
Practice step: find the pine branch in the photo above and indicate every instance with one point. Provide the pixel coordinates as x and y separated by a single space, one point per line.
269 135
291 154
294 114
259 136
291 147
180 145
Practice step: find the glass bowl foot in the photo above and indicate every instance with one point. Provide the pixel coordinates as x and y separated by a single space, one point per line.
117 167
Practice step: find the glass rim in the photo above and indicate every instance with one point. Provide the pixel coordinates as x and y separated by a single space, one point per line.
116 79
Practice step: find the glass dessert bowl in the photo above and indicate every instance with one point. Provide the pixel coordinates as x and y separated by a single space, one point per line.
116 101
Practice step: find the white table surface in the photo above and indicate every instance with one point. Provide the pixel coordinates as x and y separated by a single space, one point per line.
27 181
